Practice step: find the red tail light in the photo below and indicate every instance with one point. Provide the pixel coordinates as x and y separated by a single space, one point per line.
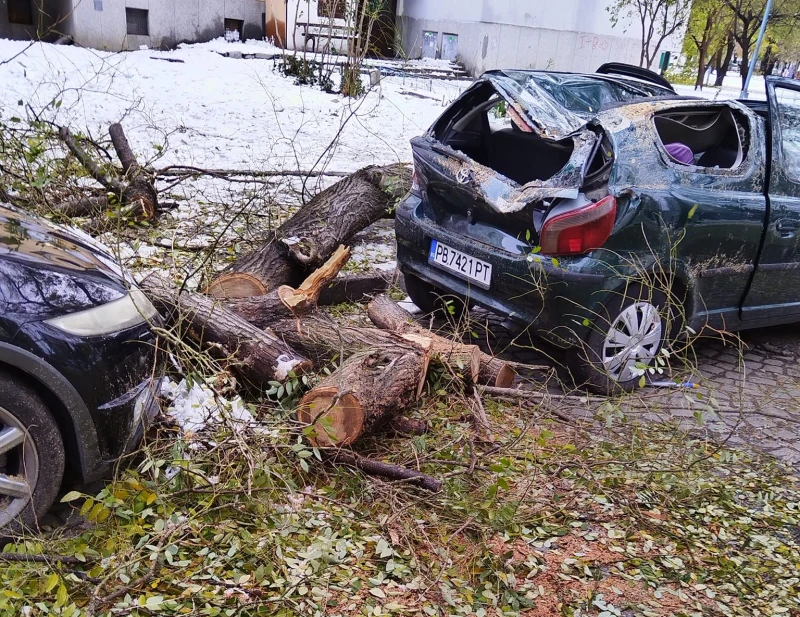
581 230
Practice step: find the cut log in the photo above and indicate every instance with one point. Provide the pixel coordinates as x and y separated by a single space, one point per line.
485 369
309 238
264 310
261 356
82 206
367 390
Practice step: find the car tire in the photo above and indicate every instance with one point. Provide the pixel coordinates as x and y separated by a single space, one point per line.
629 330
430 299
31 452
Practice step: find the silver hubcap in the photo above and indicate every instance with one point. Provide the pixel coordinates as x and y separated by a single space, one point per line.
633 338
19 467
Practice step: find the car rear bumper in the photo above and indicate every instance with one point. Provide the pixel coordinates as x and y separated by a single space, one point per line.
556 299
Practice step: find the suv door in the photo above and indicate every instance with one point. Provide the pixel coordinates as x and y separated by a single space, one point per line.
775 290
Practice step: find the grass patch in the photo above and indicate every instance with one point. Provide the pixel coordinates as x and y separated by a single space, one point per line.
544 520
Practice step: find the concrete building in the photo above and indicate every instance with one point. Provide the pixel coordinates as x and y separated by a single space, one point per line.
118 25
567 35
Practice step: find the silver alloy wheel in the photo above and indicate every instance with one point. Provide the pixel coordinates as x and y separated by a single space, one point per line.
19 467
634 338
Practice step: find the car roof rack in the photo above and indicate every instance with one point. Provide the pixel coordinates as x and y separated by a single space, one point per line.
629 70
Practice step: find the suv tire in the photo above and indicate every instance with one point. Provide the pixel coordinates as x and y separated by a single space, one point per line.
31 452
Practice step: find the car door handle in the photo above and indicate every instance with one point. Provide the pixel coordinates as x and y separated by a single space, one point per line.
786 227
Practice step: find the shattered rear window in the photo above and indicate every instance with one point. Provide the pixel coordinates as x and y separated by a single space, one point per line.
584 94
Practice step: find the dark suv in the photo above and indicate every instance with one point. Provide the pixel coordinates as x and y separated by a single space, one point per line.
78 365
607 213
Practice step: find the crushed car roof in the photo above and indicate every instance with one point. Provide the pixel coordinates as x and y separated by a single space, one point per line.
558 105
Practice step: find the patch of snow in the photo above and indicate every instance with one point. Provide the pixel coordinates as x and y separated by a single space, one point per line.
193 408
221 46
409 306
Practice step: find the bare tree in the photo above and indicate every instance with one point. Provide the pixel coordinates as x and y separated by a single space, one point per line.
659 19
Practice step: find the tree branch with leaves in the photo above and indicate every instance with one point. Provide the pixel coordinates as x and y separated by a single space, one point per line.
658 20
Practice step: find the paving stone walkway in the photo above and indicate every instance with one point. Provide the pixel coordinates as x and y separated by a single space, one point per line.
748 394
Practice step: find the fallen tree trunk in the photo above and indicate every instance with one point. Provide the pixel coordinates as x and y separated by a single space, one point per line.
309 238
137 193
386 314
139 189
261 356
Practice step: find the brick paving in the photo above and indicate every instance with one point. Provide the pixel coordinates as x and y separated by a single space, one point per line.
749 392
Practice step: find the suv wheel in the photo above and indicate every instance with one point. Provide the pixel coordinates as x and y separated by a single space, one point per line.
626 336
31 457
429 299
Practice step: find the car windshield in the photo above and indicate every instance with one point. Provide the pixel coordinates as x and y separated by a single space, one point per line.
584 94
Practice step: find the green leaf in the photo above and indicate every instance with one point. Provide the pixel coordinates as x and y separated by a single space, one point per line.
536 249
554 261
51 582
62 597
71 496
377 592
642 381
528 235
691 212
586 322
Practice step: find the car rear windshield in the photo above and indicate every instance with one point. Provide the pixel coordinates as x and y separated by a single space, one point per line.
584 94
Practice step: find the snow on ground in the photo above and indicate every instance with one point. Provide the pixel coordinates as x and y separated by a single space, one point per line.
226 113
731 88
219 112
221 46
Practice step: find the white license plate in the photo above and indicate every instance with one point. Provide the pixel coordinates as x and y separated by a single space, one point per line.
460 264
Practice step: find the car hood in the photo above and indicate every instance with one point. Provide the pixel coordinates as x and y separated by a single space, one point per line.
37 242
47 270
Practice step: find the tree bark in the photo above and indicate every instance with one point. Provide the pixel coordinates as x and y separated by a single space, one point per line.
261 356
367 390
139 189
724 62
386 314
285 302
309 238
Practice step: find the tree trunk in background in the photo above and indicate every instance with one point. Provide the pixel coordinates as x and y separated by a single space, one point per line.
309 238
723 62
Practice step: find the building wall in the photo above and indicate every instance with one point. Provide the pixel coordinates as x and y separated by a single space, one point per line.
567 35
307 11
102 23
49 21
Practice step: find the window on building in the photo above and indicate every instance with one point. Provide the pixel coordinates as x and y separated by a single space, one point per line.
20 12
233 29
137 21
333 8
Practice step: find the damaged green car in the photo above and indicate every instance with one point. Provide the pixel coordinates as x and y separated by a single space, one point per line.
606 213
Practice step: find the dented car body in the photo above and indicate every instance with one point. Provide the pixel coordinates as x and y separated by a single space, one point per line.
552 198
